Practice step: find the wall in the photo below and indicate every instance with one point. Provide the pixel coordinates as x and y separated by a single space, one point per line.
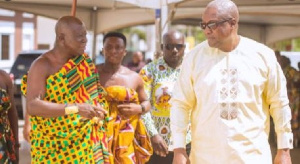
17 33
255 32
45 31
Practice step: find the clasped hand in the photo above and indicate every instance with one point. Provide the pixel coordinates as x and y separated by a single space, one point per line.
129 109
91 111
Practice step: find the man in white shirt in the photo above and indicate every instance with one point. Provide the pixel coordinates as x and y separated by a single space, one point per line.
232 85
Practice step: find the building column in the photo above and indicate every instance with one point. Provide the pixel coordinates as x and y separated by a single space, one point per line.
18 33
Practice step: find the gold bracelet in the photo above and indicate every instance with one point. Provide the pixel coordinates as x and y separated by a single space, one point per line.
71 109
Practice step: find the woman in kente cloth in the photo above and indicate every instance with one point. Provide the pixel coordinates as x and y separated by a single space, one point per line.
128 140
65 101
9 142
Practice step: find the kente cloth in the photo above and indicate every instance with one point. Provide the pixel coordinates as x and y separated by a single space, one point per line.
70 138
231 96
128 140
159 80
7 140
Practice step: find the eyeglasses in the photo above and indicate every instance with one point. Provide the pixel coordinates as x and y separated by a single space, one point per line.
213 25
172 46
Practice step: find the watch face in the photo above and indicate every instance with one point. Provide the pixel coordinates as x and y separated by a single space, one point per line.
143 108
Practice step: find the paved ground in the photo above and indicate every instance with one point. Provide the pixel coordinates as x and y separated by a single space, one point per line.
25 151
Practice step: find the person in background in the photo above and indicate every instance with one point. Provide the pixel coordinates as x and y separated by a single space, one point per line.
128 139
65 101
231 85
148 61
292 76
9 139
297 135
159 79
137 62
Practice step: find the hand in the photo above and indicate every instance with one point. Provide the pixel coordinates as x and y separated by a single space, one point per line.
91 111
102 112
129 109
180 156
283 157
159 145
17 155
26 131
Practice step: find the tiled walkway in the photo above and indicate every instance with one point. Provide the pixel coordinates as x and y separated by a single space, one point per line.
25 150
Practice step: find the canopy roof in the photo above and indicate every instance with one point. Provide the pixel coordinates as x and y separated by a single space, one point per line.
113 14
106 15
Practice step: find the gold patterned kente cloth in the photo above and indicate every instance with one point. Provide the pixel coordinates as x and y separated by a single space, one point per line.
128 140
70 138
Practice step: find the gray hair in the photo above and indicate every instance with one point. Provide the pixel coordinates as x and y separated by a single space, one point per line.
225 8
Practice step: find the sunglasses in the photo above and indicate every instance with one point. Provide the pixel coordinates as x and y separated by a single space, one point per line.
213 25
172 46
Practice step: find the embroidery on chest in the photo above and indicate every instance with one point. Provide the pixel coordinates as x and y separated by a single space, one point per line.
228 93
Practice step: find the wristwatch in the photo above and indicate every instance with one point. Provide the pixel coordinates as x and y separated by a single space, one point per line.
143 108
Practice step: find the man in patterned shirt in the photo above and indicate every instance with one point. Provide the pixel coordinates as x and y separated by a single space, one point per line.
159 78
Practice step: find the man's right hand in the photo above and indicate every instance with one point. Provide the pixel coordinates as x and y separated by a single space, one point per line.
180 156
159 145
91 111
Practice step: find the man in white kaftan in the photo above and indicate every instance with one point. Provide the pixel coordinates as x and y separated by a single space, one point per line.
232 85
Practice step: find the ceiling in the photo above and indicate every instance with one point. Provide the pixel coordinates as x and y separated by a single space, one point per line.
269 12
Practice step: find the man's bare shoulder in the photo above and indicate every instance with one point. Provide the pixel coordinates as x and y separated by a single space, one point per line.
4 76
41 65
132 75
128 72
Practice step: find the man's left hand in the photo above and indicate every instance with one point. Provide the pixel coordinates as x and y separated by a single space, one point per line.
283 157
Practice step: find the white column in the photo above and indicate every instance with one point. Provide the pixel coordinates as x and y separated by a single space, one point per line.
164 20
94 24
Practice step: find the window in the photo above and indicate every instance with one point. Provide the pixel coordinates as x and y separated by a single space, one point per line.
7 44
28 36
7 13
28 15
4 47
